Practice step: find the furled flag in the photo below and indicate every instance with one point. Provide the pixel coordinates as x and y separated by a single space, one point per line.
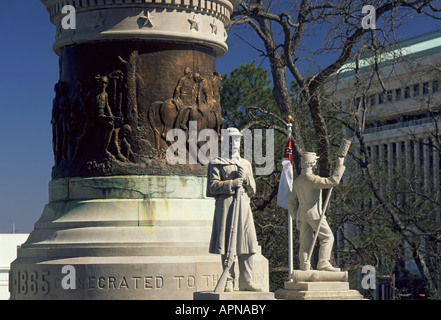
286 178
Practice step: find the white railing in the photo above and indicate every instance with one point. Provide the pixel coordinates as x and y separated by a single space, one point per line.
403 124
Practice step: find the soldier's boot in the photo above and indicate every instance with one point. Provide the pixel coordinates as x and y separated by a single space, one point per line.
250 287
326 266
246 282
305 266
229 286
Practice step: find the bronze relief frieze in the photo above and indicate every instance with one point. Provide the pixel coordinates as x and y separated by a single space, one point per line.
113 107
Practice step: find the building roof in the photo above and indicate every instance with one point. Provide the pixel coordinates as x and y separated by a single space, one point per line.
413 48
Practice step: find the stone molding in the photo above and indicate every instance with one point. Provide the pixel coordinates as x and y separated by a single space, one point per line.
221 9
128 187
190 21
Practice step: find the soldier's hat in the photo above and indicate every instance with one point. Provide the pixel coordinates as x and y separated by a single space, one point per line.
233 132
309 156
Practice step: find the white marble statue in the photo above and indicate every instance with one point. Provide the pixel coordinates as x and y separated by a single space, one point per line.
305 206
225 176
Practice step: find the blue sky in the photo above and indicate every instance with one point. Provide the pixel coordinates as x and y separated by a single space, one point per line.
29 70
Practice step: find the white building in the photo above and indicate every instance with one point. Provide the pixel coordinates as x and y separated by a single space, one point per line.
401 104
8 252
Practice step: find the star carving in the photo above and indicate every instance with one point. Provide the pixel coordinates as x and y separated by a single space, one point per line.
145 20
213 28
99 20
194 25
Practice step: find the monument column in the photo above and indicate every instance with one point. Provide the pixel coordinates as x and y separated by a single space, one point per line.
122 222
126 71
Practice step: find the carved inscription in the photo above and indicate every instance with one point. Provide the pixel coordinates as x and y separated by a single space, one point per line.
122 282
210 280
117 282
185 282
30 282
40 282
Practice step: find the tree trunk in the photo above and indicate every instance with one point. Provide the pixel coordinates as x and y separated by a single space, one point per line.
284 102
321 131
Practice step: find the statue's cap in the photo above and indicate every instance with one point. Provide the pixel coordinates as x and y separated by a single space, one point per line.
310 156
233 132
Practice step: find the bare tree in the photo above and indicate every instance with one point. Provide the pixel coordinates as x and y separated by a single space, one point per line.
286 29
284 26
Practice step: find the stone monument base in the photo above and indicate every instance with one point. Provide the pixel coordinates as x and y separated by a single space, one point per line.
318 295
318 285
235 295
125 237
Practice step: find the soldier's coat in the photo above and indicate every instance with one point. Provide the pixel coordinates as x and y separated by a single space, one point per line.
221 173
305 201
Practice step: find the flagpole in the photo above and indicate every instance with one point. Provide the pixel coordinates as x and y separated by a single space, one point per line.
290 226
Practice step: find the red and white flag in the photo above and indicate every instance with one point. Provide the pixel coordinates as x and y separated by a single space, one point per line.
286 178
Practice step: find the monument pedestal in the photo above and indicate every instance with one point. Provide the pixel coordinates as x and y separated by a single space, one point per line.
125 221
318 285
128 237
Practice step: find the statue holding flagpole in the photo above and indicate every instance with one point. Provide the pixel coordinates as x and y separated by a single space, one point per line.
302 197
285 188
306 207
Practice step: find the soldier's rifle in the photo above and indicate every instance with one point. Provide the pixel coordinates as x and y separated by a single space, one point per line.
232 243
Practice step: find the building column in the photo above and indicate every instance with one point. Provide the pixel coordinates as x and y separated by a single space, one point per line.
436 187
373 155
390 163
408 164
436 173
381 158
426 161
408 157
398 155
374 161
416 163
398 166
